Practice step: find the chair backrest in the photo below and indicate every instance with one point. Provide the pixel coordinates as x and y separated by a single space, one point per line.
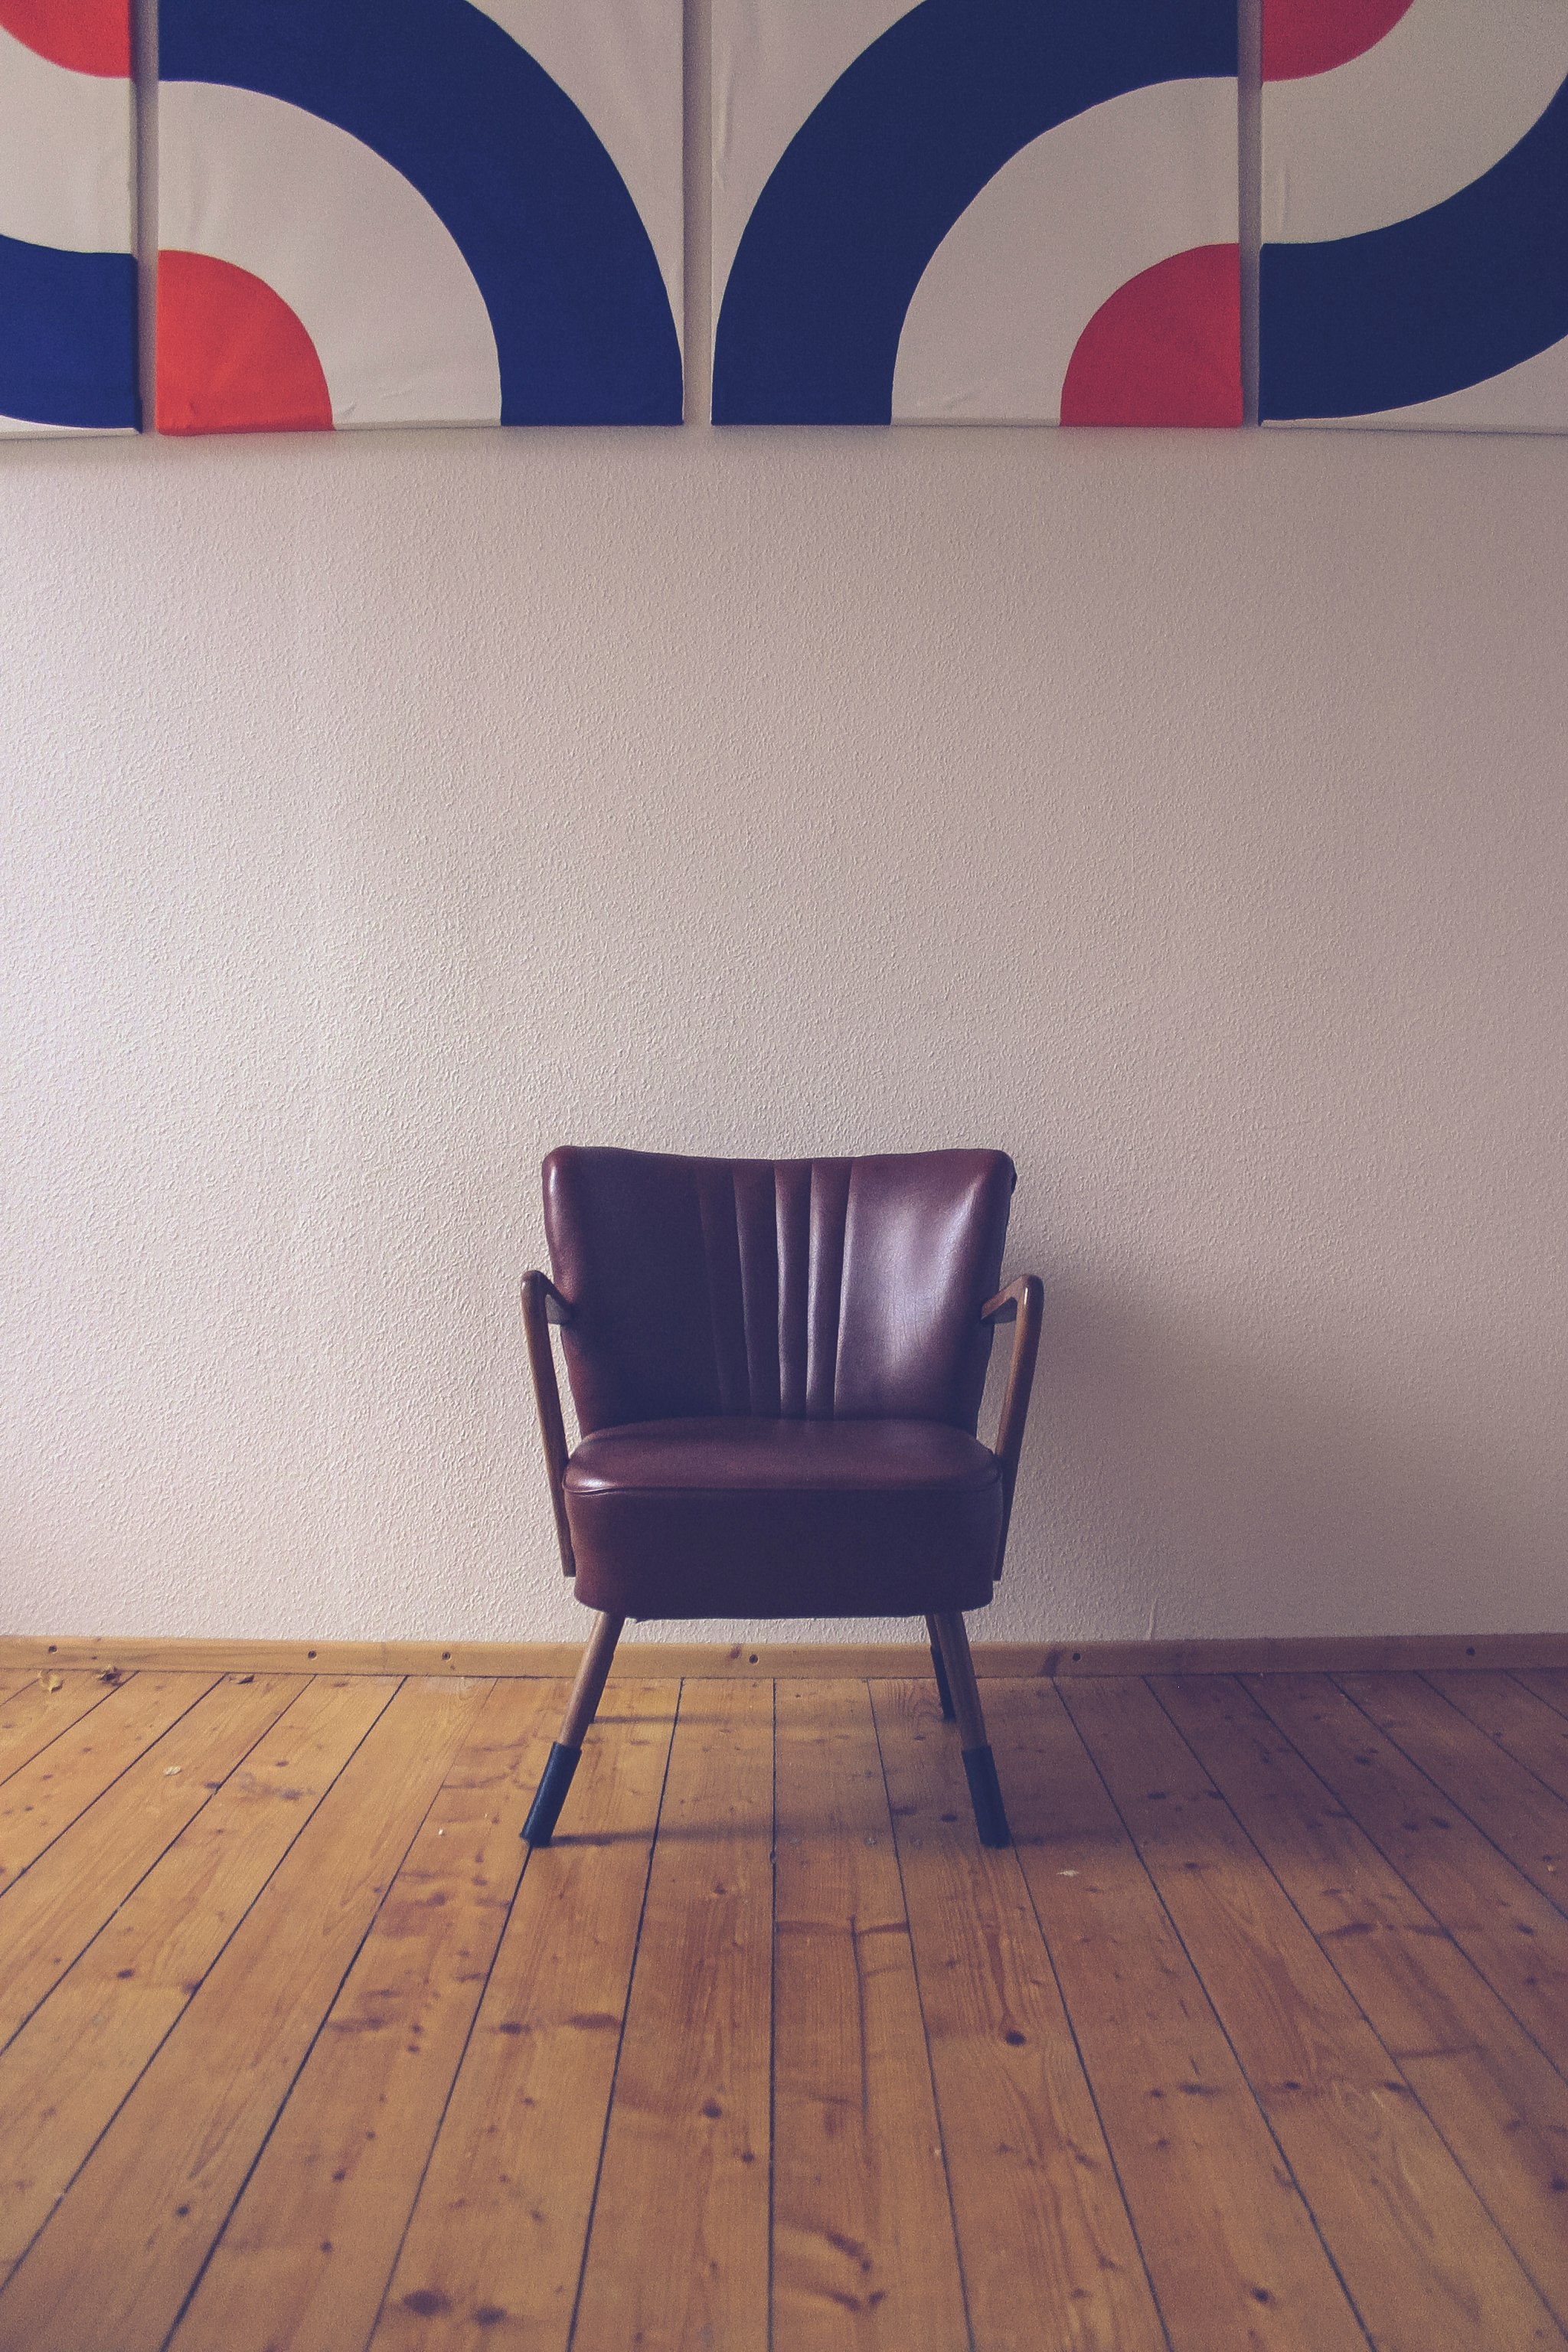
812 1289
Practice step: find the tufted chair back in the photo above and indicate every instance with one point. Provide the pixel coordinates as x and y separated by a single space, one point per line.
801 1289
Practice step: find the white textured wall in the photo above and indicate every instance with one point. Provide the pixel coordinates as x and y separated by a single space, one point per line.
1184 813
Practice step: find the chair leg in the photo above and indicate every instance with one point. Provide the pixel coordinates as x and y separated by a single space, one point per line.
979 1764
556 1779
940 1670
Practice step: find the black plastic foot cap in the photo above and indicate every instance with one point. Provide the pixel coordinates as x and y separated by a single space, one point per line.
989 1818
545 1810
944 1691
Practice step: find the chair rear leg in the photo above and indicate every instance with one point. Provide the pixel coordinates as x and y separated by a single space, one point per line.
979 1764
556 1777
940 1670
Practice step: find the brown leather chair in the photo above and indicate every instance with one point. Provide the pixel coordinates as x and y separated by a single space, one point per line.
777 1368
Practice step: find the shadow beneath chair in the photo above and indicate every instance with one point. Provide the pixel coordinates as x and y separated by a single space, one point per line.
669 1834
604 1716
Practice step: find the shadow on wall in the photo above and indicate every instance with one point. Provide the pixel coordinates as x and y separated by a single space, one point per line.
1199 1488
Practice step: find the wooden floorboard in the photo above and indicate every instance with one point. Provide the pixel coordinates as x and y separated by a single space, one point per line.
1256 2039
688 2127
1499 2106
1516 1938
307 2251
1549 1685
40 1801
864 2251
115 2006
1419 2255
1522 1724
494 2249
1048 2250
1223 2226
32 1714
56 1908
122 2251
1507 1802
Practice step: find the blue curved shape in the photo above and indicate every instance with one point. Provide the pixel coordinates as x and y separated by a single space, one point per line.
1445 299
67 337
902 144
541 214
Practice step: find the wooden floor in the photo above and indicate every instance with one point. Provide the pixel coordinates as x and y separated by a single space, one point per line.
1258 2038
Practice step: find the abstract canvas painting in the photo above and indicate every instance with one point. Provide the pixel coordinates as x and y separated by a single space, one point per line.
981 211
419 212
67 280
1415 266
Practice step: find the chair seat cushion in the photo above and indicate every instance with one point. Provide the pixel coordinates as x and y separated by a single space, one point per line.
767 1518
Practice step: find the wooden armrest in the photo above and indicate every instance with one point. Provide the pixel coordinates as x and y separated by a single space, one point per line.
1022 1303
541 1306
556 1308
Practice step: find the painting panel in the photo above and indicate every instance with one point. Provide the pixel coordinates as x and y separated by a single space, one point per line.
1415 265
419 212
976 211
67 278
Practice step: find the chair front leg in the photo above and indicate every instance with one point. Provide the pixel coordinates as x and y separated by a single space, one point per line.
979 1764
940 1670
580 1707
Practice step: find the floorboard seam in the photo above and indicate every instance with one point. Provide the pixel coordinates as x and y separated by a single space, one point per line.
772 2005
